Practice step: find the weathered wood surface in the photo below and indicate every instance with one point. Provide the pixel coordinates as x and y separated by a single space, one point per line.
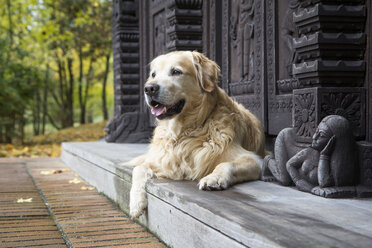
254 214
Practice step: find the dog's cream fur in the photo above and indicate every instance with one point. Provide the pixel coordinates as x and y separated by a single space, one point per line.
213 139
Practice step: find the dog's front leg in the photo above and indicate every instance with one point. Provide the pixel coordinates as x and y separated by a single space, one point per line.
138 201
245 168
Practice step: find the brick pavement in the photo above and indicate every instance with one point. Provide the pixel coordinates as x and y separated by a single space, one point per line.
56 208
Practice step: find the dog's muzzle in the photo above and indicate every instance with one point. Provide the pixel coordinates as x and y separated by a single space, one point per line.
163 111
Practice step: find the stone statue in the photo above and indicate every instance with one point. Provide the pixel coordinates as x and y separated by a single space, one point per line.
328 167
285 148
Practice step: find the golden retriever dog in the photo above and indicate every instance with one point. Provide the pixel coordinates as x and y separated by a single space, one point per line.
201 133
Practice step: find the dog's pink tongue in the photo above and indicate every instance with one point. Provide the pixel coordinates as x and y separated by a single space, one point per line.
158 111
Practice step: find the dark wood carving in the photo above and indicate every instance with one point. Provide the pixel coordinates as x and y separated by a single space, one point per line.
243 50
212 29
369 72
126 56
281 54
125 125
309 57
331 70
365 158
131 127
185 25
332 46
311 105
331 66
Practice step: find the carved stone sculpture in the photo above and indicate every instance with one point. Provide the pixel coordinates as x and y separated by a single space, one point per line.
328 167
285 148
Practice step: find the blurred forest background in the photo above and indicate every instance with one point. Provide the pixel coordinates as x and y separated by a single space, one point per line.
55 72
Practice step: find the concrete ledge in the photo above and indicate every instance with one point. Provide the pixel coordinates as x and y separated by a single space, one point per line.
254 214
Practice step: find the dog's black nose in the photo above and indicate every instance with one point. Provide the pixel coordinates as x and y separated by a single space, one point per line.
151 89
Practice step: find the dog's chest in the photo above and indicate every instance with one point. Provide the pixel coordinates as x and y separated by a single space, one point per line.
189 158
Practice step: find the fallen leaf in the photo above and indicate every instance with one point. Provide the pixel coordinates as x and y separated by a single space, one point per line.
86 188
50 172
75 181
21 200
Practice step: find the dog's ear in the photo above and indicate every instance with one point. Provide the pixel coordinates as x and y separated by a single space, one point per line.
208 72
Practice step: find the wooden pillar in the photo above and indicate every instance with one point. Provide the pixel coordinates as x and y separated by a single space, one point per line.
129 124
330 67
332 72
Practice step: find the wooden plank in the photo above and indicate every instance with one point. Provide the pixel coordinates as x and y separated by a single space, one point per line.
179 229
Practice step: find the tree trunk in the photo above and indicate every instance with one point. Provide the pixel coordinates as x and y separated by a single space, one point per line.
89 78
82 109
9 128
36 113
61 95
21 127
10 30
8 133
84 94
53 122
70 92
1 134
104 103
45 99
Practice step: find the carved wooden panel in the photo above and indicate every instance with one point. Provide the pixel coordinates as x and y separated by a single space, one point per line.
280 32
158 22
369 70
365 162
311 105
266 49
243 54
212 30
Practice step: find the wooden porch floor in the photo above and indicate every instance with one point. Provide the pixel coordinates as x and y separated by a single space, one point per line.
43 203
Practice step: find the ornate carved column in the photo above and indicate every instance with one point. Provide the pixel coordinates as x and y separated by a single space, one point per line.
128 124
331 65
185 28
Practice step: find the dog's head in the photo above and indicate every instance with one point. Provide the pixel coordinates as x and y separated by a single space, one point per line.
178 81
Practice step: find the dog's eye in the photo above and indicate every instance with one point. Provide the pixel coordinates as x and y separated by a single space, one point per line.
176 72
153 74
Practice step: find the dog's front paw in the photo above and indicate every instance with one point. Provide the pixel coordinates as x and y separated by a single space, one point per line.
213 182
137 205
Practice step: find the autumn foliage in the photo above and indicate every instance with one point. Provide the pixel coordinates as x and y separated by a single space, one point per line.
50 145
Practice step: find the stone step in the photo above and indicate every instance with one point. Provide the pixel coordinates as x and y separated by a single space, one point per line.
252 214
